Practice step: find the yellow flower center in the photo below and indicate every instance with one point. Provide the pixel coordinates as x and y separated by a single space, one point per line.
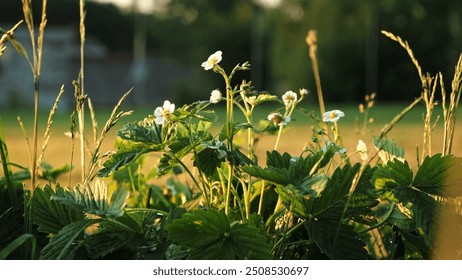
332 115
165 113
213 61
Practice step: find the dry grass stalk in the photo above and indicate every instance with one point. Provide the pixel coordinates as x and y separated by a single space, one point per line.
94 123
430 103
311 39
450 113
47 134
24 133
7 36
406 46
113 119
36 65
428 94
80 94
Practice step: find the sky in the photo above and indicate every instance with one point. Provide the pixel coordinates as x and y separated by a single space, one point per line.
141 5
149 6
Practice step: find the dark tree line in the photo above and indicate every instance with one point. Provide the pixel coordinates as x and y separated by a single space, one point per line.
355 59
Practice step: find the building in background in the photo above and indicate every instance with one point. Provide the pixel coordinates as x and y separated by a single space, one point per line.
107 75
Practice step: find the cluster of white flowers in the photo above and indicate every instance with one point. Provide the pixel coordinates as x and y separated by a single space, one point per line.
163 113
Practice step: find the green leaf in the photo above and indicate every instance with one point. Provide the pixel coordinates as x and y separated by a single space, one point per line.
413 241
141 133
390 180
336 240
265 97
65 244
124 156
107 241
293 200
209 235
52 174
439 225
251 241
335 193
206 116
198 228
285 169
278 176
184 144
237 158
275 160
92 198
363 199
208 159
16 176
389 149
181 146
175 252
426 212
166 163
440 175
236 127
51 216
314 185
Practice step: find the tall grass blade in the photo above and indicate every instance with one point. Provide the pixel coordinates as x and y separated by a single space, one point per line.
17 243
6 169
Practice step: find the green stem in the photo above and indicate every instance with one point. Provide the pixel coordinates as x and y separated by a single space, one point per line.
228 189
229 119
189 173
387 216
262 193
35 139
278 138
246 198
336 133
